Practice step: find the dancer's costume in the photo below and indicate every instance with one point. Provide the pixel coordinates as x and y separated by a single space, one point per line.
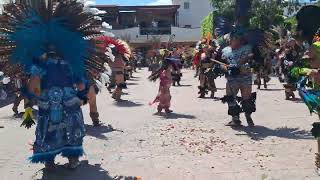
176 74
262 69
239 76
291 58
207 73
176 77
55 44
164 74
306 29
4 81
90 91
21 84
196 60
118 51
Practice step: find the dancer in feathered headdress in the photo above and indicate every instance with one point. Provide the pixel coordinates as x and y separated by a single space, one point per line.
206 67
240 56
164 73
56 45
118 51
306 73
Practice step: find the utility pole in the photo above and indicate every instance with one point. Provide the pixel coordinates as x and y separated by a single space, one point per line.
243 8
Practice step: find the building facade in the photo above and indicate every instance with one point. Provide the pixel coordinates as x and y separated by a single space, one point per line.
141 24
192 12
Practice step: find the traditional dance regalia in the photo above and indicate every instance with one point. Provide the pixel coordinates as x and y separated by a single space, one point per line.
117 51
291 57
55 48
196 60
262 68
207 73
176 77
240 58
60 126
176 73
87 89
21 85
164 74
118 67
307 71
307 78
239 78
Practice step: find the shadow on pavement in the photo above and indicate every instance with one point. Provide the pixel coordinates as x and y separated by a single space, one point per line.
177 116
10 99
132 84
297 100
260 133
98 132
134 79
127 103
85 171
281 89
183 85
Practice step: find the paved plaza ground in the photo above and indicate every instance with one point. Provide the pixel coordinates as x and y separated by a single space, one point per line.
190 144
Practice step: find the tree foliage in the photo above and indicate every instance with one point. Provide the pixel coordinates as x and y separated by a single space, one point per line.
224 8
264 14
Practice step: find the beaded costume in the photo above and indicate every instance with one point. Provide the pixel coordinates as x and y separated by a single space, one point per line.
55 44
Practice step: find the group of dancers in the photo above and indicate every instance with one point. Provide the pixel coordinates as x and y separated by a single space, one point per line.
59 58
234 61
242 52
62 54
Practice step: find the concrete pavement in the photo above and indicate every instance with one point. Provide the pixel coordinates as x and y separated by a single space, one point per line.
192 143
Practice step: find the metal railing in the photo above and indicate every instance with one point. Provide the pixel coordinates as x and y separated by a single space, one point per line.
155 30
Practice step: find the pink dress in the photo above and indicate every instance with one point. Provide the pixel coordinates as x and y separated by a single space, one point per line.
164 96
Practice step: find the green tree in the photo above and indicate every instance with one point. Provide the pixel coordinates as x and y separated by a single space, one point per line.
264 14
224 8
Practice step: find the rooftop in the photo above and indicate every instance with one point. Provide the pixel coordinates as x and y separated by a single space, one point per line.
123 8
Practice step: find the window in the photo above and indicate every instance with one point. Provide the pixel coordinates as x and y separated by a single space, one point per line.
186 5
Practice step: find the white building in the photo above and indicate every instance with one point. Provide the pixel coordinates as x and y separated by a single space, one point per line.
179 22
192 12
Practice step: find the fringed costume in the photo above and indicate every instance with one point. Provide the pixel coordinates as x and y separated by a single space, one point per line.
87 89
207 73
292 55
307 71
164 74
118 51
176 73
239 56
262 68
55 43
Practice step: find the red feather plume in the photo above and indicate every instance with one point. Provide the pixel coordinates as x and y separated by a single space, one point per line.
120 46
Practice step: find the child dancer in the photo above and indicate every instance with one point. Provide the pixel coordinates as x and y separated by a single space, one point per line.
164 74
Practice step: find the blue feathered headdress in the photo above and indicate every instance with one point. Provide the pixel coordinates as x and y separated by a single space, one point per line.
27 31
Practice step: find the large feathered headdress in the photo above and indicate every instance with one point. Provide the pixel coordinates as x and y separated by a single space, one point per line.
253 36
27 31
112 47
